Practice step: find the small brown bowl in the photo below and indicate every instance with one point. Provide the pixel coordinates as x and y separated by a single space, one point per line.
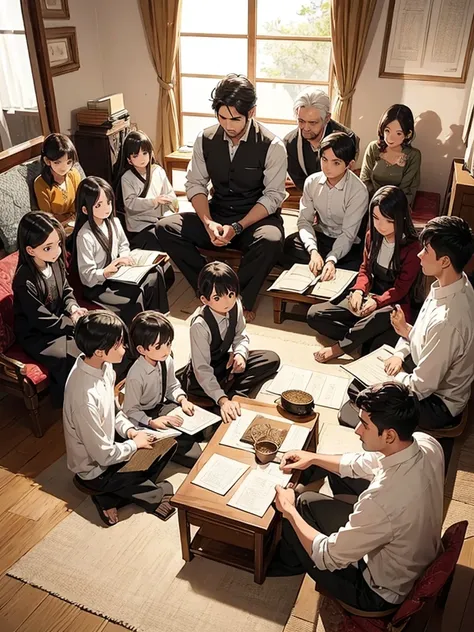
265 451
297 402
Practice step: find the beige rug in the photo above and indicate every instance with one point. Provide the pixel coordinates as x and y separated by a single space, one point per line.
133 574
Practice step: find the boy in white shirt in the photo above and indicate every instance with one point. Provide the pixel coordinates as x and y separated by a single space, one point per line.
94 453
152 389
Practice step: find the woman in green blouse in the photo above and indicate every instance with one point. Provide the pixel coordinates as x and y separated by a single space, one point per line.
391 159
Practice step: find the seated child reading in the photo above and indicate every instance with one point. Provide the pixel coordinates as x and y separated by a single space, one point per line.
221 364
152 389
91 421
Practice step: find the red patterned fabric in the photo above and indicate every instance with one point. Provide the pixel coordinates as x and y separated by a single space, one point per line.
428 586
7 271
37 373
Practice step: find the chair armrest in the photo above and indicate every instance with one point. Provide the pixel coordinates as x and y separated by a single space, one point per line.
12 365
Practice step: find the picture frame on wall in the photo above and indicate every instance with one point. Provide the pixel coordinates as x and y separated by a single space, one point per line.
55 9
432 40
62 48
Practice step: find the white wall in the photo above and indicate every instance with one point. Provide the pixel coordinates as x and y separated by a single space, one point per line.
439 109
126 63
74 89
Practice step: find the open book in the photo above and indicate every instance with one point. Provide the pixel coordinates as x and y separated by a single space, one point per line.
145 260
370 369
297 279
335 287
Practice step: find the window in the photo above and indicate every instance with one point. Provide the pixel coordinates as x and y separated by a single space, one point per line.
281 45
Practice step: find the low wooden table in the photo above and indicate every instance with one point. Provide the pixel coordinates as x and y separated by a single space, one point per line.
226 534
281 298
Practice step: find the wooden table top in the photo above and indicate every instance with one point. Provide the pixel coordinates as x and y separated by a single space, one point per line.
203 501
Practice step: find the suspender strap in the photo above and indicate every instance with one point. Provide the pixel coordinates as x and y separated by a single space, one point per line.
164 381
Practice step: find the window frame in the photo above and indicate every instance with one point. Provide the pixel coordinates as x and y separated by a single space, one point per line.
43 82
252 38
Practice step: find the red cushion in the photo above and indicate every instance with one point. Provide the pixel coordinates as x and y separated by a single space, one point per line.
7 272
37 373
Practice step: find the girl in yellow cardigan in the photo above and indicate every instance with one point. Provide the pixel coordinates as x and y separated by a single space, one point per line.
56 187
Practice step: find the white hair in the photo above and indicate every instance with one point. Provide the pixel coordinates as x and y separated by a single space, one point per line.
311 98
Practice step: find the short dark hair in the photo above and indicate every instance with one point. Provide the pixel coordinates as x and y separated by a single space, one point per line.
99 330
451 237
391 406
234 91
404 116
219 276
149 327
342 145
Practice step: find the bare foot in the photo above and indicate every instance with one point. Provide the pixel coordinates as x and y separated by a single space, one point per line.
112 515
249 316
328 353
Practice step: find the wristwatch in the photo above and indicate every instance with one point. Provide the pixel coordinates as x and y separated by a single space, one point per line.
238 228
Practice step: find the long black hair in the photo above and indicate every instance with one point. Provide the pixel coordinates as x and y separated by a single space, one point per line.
33 230
393 205
404 116
88 193
134 141
55 146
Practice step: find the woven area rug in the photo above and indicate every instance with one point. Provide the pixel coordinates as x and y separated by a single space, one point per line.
133 574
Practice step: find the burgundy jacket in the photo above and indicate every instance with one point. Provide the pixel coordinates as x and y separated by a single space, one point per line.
400 292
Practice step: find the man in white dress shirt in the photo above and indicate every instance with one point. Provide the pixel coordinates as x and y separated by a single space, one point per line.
368 554
246 165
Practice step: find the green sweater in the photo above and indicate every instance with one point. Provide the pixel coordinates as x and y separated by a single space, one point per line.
376 172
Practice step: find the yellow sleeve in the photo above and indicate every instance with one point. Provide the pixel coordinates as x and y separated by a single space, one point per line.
42 194
76 177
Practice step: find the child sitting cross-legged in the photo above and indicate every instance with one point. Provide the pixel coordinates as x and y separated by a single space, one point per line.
152 389
95 453
221 364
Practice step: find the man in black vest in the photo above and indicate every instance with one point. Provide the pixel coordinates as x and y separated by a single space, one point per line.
247 167
312 109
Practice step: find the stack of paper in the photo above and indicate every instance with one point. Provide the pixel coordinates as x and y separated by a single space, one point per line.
193 424
290 378
328 390
219 474
297 279
332 289
162 434
257 491
370 369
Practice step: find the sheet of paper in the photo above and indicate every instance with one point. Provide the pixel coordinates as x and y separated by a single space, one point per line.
297 279
370 368
163 434
219 474
331 289
295 439
197 422
328 390
289 378
131 274
257 491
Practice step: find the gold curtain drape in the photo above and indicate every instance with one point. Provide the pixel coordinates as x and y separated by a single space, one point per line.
161 21
350 23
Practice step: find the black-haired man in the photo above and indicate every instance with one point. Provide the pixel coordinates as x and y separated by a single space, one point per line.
370 554
246 165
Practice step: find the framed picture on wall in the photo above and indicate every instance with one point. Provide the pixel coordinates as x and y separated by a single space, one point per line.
55 9
62 50
428 40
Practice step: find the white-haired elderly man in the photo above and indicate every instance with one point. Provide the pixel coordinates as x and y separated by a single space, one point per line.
312 110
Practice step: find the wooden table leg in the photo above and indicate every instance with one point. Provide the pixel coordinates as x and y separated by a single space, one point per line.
259 570
278 309
185 534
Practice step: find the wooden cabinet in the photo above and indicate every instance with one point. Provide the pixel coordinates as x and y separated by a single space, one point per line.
98 147
459 200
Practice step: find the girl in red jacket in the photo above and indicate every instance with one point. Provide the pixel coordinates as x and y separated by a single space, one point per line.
387 277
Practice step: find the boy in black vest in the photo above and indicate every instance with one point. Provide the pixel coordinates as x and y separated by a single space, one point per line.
247 167
152 389
221 364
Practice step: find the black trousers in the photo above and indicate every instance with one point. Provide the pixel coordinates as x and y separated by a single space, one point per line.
58 355
338 323
261 244
327 515
188 450
127 299
261 365
145 239
116 488
295 252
